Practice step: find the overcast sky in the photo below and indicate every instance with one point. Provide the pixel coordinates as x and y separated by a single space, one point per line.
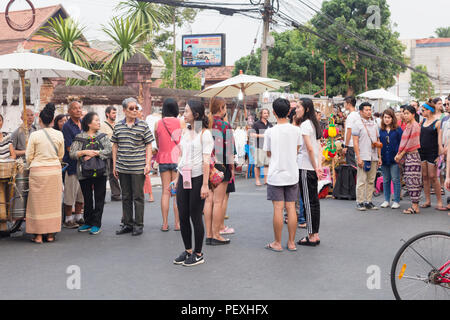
415 19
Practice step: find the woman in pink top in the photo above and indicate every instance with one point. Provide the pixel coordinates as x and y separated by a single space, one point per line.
167 134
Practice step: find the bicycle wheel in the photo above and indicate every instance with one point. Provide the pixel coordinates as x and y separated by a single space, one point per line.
415 271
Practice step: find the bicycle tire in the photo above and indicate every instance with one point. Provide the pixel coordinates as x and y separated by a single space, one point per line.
401 251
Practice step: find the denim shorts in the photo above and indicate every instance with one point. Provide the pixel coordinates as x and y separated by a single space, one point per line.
163 167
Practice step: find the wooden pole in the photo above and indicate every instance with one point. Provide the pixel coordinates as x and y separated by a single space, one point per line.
25 122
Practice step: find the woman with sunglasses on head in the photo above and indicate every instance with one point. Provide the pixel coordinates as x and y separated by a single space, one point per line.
409 155
191 182
390 137
431 148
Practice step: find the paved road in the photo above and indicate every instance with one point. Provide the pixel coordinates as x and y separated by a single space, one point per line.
126 267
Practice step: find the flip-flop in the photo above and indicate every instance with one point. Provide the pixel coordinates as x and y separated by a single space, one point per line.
441 209
425 205
287 247
269 247
307 242
165 230
177 229
300 225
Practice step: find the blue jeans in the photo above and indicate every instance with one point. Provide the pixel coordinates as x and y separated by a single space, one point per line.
301 215
391 173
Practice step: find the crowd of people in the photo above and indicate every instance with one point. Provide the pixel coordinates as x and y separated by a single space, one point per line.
196 161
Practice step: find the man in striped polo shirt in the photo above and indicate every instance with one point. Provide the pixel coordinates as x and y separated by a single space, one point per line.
131 154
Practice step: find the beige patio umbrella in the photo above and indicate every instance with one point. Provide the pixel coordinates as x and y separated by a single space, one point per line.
246 84
24 63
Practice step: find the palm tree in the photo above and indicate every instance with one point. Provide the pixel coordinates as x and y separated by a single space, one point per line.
148 16
126 34
66 37
443 32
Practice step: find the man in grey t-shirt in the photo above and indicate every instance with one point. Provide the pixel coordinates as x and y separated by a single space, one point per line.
19 136
368 158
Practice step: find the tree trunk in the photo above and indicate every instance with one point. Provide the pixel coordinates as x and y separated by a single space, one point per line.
174 69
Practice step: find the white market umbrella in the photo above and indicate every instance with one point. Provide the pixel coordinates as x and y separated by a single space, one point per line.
26 64
380 94
247 85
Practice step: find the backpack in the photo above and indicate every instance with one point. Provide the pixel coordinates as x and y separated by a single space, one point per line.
94 167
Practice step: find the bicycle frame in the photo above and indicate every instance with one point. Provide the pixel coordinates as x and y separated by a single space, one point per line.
445 273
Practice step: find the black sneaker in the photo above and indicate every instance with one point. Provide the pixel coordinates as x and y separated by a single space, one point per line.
193 260
370 206
182 257
361 206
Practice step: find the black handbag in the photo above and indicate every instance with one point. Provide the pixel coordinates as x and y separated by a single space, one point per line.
94 167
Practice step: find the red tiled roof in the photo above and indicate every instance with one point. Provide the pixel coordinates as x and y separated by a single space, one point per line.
219 73
10 39
433 40
42 16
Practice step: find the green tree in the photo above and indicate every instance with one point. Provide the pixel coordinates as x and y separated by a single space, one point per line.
294 51
443 32
178 17
126 34
348 64
420 86
66 37
148 16
186 77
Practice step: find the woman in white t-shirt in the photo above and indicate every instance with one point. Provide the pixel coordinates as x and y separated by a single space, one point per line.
192 181
310 165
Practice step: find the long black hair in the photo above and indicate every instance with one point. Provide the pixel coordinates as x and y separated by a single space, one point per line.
198 111
310 114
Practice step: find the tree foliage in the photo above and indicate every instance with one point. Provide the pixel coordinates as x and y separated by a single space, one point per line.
293 51
420 86
126 34
350 65
443 32
186 77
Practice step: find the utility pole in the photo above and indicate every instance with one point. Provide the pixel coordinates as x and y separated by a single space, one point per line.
264 49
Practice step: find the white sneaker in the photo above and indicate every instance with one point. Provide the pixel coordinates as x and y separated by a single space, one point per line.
385 204
395 205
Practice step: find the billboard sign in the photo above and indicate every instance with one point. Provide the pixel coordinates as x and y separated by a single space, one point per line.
203 50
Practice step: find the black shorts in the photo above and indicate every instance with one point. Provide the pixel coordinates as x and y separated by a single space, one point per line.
429 157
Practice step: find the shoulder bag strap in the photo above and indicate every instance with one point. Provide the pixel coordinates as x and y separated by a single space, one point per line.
362 120
171 138
51 141
109 125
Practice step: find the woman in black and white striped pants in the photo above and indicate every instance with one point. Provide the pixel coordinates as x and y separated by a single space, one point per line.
309 164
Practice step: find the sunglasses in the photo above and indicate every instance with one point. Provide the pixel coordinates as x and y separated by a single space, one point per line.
133 109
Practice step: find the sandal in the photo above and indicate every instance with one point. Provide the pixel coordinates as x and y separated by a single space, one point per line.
425 205
165 230
50 238
289 249
306 242
38 242
410 211
441 208
269 247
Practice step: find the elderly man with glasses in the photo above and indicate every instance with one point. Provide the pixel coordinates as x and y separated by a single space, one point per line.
131 155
